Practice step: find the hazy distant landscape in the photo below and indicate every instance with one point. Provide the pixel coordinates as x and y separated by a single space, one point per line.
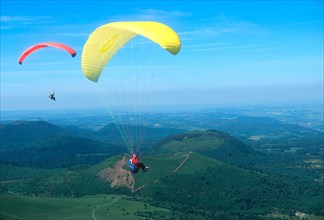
242 163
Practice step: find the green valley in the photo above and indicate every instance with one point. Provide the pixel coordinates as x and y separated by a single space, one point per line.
197 174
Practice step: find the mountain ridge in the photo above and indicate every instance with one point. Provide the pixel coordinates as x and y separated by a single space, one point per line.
20 134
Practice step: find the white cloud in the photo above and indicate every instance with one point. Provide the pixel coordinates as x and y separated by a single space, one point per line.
13 18
223 47
200 32
162 13
72 34
23 18
224 25
152 14
205 45
10 22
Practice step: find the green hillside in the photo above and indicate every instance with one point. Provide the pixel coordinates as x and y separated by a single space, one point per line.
62 151
163 166
212 189
99 207
214 144
20 134
10 173
225 148
76 181
188 184
196 141
192 175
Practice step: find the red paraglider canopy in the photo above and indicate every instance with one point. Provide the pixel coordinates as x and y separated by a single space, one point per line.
46 44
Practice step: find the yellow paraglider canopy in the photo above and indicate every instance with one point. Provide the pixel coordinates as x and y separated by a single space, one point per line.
106 40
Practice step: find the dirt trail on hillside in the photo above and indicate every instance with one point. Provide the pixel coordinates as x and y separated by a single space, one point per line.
175 170
93 213
12 181
11 215
117 176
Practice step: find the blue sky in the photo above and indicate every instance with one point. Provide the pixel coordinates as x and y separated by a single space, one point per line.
233 52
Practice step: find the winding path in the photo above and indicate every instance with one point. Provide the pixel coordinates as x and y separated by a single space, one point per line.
93 214
175 170
11 215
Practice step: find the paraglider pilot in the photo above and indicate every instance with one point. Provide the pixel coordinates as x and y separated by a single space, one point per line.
134 165
51 95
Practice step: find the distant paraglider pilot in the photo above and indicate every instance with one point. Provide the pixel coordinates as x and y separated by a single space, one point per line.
51 95
134 165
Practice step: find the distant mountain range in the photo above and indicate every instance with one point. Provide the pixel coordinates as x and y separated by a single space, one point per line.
45 145
267 134
110 133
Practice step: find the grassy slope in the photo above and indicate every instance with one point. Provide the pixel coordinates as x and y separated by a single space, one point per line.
76 182
201 185
100 207
213 144
84 181
198 141
225 148
11 172
208 185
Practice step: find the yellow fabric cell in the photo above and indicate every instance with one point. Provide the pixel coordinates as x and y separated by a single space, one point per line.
106 40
